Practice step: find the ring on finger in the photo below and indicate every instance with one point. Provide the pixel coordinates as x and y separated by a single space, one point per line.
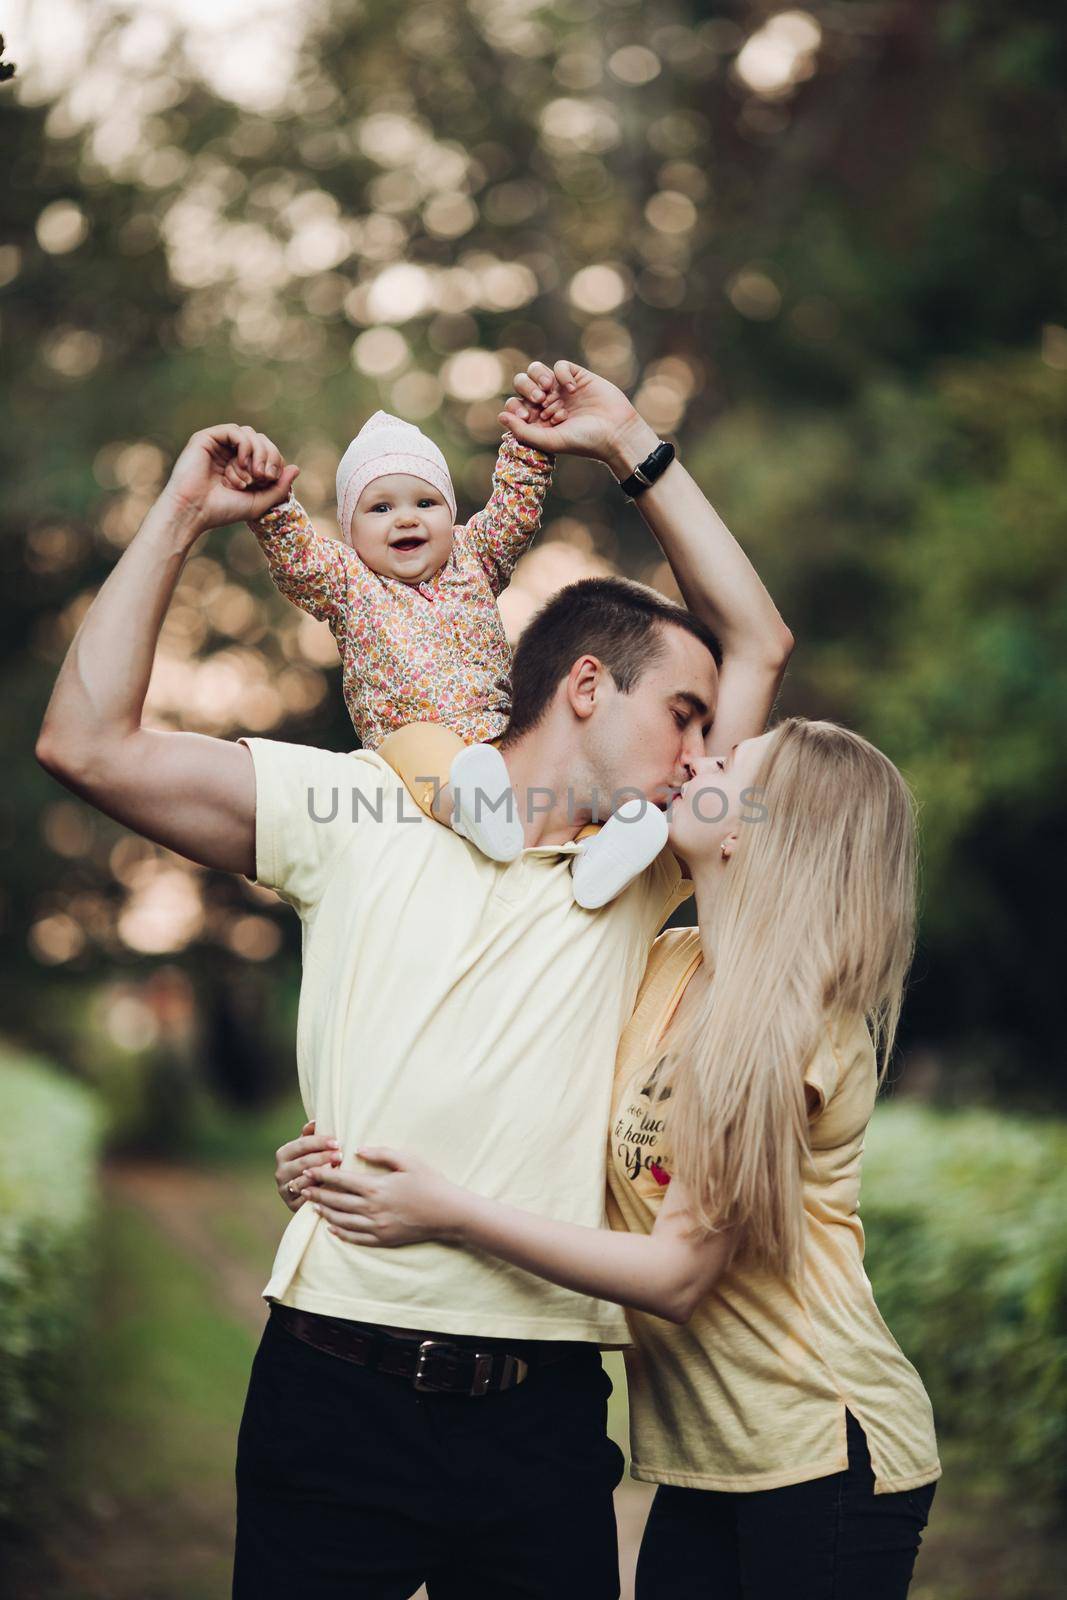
292 1186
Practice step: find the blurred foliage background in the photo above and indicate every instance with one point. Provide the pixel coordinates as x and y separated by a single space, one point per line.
824 248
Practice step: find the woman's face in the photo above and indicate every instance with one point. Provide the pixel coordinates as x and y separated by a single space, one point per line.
717 803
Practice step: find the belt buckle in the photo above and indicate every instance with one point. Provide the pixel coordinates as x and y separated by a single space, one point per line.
483 1369
420 1380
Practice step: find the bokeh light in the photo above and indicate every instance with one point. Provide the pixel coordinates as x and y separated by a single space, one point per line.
780 55
62 227
598 289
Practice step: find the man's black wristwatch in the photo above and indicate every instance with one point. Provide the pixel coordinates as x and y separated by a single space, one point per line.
647 471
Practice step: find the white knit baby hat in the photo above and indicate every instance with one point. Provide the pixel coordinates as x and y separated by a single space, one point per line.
387 444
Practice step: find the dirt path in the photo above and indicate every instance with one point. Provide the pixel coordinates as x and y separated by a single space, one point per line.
182 1202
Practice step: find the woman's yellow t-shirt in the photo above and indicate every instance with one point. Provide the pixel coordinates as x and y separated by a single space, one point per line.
752 1392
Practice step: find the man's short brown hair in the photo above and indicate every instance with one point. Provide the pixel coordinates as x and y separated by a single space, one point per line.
614 619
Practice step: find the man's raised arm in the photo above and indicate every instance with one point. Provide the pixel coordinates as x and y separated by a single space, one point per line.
194 794
718 584
717 581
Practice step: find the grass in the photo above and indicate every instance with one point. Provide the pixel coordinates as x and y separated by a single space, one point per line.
165 1365
143 1495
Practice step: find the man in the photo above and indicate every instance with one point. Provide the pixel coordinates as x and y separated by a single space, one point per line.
431 1415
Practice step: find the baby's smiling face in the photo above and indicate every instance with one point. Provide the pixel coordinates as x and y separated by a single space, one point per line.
402 528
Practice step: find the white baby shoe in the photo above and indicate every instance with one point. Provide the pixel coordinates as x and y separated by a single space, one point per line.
484 808
629 841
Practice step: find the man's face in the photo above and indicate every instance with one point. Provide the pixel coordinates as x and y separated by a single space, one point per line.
649 741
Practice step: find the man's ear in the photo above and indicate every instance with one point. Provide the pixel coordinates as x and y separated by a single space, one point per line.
728 846
583 680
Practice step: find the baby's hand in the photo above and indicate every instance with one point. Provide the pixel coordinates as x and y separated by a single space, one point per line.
238 478
544 391
255 465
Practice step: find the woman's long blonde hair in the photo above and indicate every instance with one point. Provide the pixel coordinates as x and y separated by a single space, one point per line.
813 925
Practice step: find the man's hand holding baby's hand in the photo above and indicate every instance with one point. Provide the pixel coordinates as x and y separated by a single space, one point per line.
257 464
567 409
227 473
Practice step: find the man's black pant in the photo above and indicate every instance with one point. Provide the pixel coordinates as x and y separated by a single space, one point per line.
353 1485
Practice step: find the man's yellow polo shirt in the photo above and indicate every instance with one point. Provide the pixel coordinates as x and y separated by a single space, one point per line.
462 1010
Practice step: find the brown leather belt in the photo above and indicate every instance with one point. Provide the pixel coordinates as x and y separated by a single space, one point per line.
432 1363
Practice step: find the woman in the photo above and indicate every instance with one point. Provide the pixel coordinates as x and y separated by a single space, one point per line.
792 1441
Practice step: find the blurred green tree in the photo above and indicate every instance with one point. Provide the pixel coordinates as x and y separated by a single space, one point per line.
824 248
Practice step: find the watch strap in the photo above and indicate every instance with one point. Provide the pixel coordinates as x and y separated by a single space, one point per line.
647 471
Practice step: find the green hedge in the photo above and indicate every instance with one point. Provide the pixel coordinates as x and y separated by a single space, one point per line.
46 1204
966 1222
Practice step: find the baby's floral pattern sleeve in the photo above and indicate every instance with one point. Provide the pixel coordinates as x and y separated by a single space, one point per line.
500 534
314 572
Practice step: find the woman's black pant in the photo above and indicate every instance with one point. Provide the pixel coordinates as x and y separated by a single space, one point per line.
830 1539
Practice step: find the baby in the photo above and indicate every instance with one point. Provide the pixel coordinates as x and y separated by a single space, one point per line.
410 598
